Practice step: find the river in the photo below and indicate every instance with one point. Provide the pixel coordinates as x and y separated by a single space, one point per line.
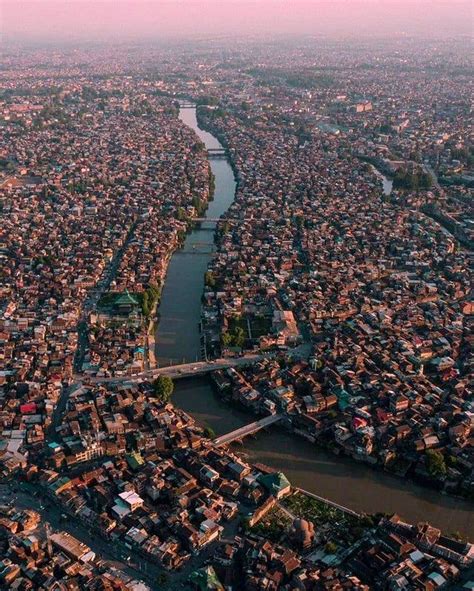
387 184
178 336
340 479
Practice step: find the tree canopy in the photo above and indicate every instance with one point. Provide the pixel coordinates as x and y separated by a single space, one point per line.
435 463
163 388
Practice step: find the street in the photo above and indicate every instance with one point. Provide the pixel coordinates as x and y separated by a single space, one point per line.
23 495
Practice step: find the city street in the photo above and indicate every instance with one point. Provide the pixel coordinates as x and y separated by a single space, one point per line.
23 495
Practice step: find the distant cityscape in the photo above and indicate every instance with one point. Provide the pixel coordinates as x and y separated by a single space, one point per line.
284 230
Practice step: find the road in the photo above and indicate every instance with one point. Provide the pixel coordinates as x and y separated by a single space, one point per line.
60 407
433 175
94 295
115 555
25 496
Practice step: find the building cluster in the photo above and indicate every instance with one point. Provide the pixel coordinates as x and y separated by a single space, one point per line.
368 287
310 233
145 475
110 421
313 250
93 184
381 290
389 555
35 557
409 426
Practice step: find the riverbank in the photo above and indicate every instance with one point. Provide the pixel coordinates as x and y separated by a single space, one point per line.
342 480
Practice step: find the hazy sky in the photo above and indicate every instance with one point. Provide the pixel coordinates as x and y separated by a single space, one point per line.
159 19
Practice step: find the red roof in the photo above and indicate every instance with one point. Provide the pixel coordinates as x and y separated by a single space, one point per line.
28 408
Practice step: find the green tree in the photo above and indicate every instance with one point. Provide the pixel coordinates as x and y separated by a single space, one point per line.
239 337
455 535
145 304
149 299
162 579
435 463
209 433
225 227
198 147
181 214
330 547
227 339
163 388
210 279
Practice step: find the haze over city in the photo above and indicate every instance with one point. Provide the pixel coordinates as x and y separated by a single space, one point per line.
144 20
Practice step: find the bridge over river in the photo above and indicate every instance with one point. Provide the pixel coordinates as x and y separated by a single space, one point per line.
213 153
239 434
182 370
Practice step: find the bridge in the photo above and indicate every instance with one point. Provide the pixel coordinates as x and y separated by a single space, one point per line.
182 370
213 220
247 430
196 252
216 153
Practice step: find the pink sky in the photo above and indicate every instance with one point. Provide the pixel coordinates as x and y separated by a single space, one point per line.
158 19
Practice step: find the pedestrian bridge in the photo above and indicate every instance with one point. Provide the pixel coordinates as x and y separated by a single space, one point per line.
247 430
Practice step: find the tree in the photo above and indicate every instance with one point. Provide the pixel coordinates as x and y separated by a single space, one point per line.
226 339
145 304
149 299
330 547
162 579
239 337
210 280
163 387
299 221
209 433
435 463
412 178
455 535
198 147
181 214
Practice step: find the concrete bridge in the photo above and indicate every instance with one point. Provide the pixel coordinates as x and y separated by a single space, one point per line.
214 220
216 153
183 370
247 430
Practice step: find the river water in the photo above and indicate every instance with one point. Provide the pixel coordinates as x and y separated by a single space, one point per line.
178 337
387 184
340 479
